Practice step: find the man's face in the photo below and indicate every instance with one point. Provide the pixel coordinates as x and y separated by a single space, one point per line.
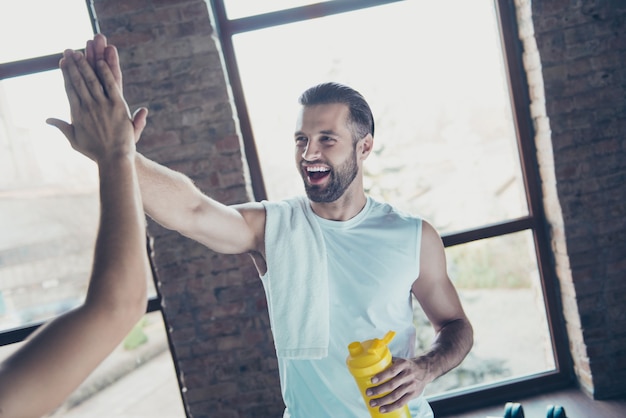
325 151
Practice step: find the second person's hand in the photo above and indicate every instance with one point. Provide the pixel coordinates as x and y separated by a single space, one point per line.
101 124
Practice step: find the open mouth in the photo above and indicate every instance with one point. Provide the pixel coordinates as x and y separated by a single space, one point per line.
317 174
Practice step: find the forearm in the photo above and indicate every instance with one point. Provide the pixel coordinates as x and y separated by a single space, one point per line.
121 268
62 353
450 346
168 196
56 359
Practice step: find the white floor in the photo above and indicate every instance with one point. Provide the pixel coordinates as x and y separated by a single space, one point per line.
155 395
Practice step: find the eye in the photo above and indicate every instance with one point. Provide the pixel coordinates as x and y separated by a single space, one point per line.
301 141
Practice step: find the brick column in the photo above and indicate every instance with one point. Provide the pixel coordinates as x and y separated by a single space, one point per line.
581 131
214 305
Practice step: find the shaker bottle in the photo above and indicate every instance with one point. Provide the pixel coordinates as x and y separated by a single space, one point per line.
367 359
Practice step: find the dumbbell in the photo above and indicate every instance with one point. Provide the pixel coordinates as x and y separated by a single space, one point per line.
514 410
555 411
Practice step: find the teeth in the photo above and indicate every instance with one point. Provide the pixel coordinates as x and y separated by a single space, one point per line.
316 169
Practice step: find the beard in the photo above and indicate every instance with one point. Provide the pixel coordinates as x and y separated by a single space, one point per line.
340 179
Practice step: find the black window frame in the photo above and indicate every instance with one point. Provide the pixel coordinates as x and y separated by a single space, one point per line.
535 221
38 65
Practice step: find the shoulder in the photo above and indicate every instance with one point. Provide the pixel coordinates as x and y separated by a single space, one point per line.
430 236
390 212
285 207
260 209
432 252
253 209
254 215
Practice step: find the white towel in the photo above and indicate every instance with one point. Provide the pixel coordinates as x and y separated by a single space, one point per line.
296 282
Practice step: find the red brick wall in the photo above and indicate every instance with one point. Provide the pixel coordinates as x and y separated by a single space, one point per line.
214 305
581 137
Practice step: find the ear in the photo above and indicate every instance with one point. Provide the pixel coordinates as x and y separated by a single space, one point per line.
367 144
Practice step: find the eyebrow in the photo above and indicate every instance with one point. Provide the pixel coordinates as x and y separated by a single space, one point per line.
324 132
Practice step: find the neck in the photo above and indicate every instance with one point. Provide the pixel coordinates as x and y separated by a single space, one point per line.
346 207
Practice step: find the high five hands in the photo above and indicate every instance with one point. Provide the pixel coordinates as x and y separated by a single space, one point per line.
101 121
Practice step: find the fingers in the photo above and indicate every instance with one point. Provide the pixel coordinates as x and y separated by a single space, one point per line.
401 382
101 86
90 53
97 50
64 127
393 370
72 96
108 81
395 397
101 121
399 403
89 77
139 121
100 44
111 57
94 50
83 78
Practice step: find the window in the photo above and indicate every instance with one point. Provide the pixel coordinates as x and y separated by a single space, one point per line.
49 203
452 144
48 192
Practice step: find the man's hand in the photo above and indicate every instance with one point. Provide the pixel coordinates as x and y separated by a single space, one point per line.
101 124
404 380
98 50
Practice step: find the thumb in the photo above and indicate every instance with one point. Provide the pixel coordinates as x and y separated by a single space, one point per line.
64 127
139 121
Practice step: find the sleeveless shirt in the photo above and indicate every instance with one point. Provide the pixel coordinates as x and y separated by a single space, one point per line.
372 260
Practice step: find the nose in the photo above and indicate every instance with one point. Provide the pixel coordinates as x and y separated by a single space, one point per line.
311 151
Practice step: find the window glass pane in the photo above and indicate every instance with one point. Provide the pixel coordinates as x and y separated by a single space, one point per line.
42 27
445 141
7 350
242 8
137 379
499 285
49 204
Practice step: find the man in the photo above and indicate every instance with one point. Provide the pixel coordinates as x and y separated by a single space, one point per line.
340 263
61 354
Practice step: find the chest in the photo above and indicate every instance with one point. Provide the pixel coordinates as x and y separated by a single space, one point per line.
370 264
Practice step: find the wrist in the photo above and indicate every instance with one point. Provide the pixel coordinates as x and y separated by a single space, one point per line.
116 160
428 364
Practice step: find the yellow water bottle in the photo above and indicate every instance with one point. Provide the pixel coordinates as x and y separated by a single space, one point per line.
367 359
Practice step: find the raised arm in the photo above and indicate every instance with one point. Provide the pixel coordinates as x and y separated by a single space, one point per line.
171 198
61 354
453 331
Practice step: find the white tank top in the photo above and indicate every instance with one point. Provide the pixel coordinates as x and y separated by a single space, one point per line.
373 260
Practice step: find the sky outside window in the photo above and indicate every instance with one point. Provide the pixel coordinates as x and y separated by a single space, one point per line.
445 144
43 27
